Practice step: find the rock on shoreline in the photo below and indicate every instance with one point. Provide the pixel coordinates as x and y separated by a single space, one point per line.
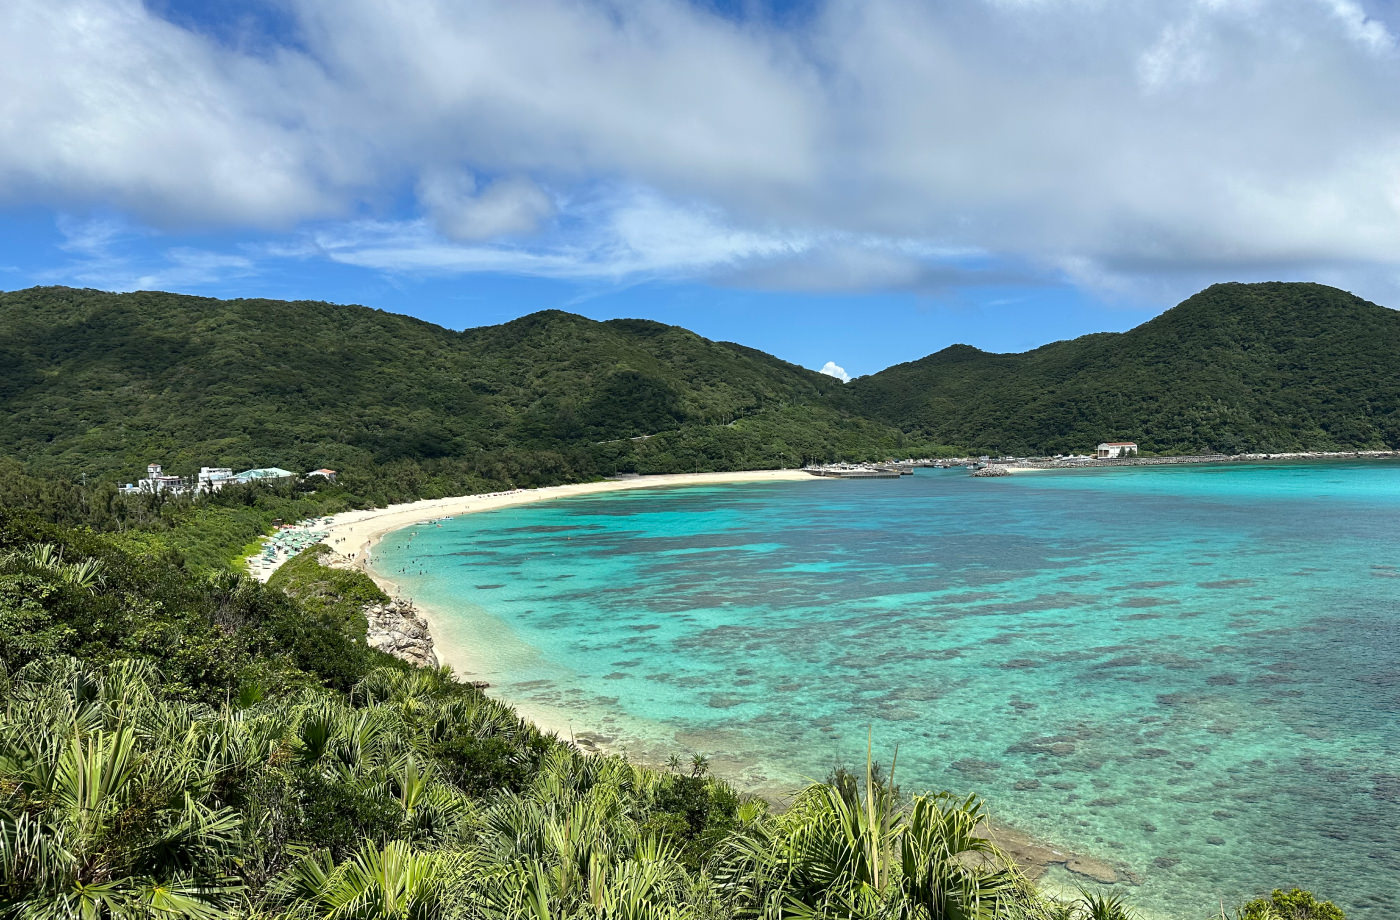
398 628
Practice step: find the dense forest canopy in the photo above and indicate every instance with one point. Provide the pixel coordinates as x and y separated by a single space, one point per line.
102 384
1236 368
98 384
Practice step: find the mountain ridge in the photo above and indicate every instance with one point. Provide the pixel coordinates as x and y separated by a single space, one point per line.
96 382
1269 366
102 383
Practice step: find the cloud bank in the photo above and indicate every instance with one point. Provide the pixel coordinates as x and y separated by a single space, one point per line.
861 145
832 369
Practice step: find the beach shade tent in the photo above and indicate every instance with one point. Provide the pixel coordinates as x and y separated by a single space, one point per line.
264 475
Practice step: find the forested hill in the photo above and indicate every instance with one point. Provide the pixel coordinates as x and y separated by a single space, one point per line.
1237 367
102 383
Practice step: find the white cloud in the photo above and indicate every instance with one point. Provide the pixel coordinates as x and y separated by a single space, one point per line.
106 104
863 146
832 369
625 233
92 237
1370 33
506 207
185 266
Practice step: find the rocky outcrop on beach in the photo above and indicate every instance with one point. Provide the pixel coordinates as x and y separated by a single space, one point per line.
1033 857
398 628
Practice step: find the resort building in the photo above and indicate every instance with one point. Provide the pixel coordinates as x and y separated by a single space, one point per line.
1115 450
324 474
264 475
213 478
210 480
155 482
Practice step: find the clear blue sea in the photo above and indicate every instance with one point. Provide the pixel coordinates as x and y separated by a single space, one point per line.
1192 673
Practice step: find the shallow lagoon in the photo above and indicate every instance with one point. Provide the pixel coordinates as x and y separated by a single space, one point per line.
1192 673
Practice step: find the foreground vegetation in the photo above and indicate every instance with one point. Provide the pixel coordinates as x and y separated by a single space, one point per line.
175 745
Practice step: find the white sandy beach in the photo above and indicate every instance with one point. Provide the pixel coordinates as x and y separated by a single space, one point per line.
357 531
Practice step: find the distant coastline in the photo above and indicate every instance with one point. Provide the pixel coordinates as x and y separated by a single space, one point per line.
1034 464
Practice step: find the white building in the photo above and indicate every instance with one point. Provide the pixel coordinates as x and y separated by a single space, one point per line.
1115 450
213 478
156 481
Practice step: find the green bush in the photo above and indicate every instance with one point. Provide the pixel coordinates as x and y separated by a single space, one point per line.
1294 904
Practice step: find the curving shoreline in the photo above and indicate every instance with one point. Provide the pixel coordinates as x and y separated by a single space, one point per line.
354 533
358 532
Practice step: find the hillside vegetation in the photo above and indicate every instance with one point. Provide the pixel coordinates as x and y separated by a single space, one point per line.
93 386
1237 367
101 384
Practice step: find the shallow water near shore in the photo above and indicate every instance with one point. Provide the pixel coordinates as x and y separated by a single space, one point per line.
1191 673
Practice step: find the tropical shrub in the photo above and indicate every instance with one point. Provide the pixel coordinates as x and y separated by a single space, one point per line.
1294 904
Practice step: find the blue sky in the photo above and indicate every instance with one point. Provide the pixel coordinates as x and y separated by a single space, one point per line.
852 181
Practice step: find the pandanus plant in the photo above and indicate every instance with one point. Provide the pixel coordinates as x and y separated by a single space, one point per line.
48 557
389 882
571 846
107 808
840 853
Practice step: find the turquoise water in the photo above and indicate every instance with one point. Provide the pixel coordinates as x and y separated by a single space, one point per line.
1192 673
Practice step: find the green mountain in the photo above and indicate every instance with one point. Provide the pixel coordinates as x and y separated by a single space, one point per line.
1238 367
102 383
